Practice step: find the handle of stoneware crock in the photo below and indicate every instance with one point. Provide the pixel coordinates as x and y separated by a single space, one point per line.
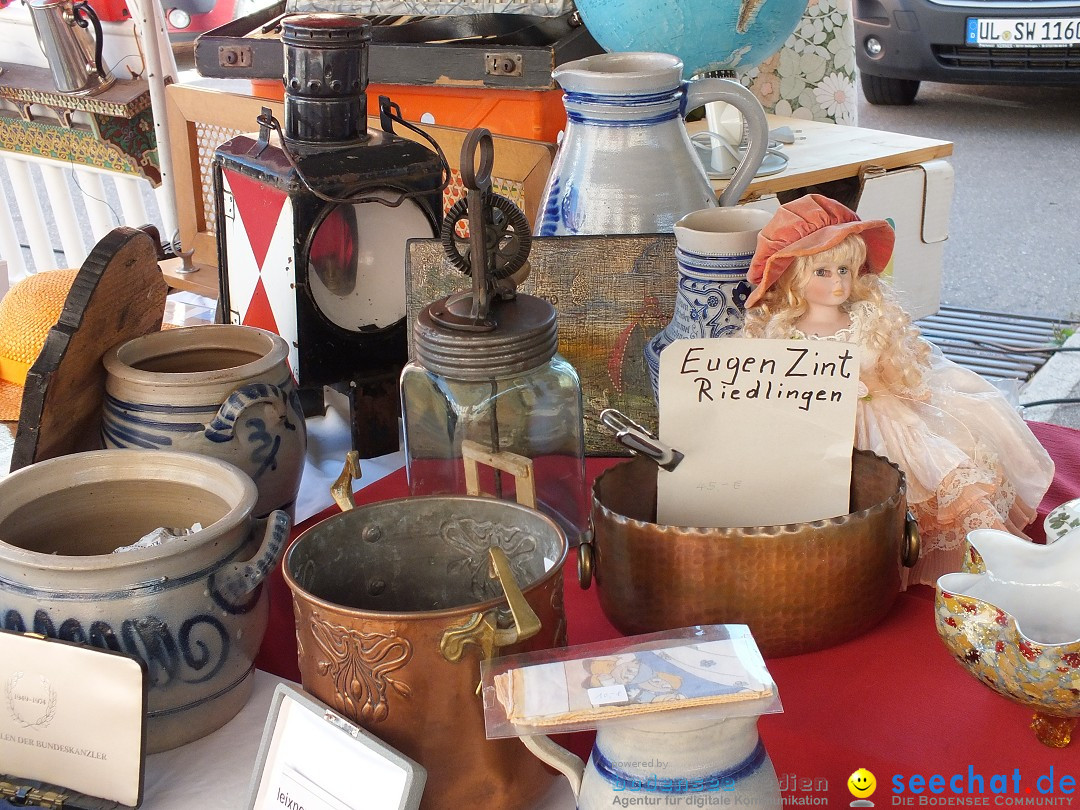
909 554
550 752
222 427
241 578
699 92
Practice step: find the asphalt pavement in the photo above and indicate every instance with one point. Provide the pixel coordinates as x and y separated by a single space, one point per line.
1012 235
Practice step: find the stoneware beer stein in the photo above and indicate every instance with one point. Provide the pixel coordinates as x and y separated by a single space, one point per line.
626 164
193 608
714 247
675 757
221 390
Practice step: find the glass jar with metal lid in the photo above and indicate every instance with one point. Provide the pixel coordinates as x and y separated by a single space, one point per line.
489 405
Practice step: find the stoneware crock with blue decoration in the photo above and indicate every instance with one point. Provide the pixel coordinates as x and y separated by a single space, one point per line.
193 608
221 390
626 164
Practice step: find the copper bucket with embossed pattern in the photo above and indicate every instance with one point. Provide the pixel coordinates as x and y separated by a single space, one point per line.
396 605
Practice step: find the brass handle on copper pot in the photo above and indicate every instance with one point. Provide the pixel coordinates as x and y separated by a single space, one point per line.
482 629
909 554
526 622
341 489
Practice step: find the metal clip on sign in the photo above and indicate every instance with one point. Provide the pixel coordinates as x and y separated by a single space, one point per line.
638 440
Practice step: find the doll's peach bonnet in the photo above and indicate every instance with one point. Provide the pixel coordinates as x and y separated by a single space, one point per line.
809 225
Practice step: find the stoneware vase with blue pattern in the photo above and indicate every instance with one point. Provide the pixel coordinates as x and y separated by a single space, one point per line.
221 390
714 247
626 164
671 758
194 608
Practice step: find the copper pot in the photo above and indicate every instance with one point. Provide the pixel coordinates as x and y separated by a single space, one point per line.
396 606
799 587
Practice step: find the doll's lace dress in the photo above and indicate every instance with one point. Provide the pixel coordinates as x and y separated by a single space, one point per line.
969 459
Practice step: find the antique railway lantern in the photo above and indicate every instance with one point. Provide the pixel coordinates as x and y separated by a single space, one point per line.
312 223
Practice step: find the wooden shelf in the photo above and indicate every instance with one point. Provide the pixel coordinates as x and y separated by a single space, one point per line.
28 84
202 280
112 130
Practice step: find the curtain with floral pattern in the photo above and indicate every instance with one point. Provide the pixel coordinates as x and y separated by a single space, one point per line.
813 75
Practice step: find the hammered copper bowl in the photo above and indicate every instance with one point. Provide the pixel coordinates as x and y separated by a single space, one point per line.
799 587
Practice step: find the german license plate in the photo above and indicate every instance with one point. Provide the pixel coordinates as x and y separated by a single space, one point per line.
1019 32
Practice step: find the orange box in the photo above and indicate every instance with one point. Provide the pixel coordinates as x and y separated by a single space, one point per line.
537 115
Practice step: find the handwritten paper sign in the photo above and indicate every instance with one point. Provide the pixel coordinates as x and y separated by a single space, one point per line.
766 426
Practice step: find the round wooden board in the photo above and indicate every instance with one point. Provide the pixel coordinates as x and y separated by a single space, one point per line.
118 294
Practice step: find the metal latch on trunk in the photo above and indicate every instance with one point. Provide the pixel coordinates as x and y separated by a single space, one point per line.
503 64
234 56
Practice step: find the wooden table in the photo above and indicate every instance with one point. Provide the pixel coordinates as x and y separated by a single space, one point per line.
823 153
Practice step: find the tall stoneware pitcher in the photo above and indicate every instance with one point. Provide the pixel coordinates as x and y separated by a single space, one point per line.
713 248
626 164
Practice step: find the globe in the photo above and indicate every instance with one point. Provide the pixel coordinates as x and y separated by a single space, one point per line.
708 35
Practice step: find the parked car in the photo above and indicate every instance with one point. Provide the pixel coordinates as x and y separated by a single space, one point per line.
899 43
184 19
187 19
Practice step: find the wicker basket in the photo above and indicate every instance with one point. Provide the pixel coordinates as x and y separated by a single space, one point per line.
799 587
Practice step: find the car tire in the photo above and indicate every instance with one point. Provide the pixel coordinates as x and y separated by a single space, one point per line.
883 90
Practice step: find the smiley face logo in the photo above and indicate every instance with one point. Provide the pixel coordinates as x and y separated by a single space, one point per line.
862 784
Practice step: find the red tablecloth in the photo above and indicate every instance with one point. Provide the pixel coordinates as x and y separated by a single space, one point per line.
892 701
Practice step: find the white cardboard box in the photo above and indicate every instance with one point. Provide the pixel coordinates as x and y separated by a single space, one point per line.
916 201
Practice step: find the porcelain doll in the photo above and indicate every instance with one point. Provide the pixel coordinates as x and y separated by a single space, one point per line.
969 459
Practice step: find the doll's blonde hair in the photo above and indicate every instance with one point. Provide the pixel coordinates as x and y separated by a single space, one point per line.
902 353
